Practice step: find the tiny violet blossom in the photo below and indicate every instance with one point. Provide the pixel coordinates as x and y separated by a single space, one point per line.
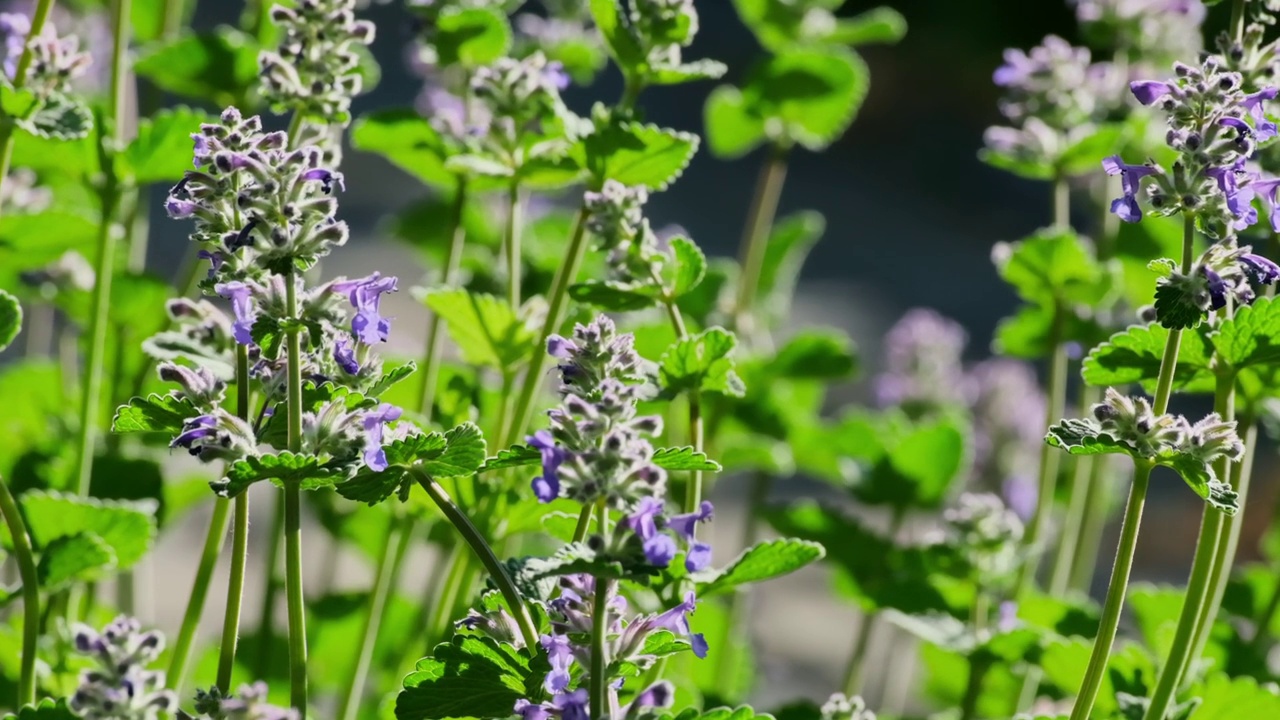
365 295
315 69
249 703
922 363
546 487
375 457
119 686
241 297
1126 207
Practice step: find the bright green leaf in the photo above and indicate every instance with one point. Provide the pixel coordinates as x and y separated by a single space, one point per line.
684 458
763 561
807 96
732 129
154 414
308 471
162 150
469 677
1133 356
701 363
391 377
10 318
46 709
59 117
484 327
220 66
882 25
790 241
1053 267
127 527
815 354
636 154
687 267
614 296
470 37
1226 698
72 558
407 140
1251 337
622 43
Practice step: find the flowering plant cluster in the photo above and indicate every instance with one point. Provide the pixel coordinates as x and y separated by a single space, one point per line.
588 390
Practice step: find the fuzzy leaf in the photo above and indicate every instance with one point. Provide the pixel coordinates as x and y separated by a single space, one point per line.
128 528
815 355
579 558
268 335
408 141
471 676
1176 306
809 95
1052 267
911 467
73 557
153 414
880 26
636 154
391 377
10 318
1226 698
623 45
732 127
308 471
173 345
470 37
686 72
613 296
763 561
743 712
684 458
1133 356
485 329
701 363
462 454
687 268
372 487
1028 333
514 456
1251 337
162 150
220 66
61 117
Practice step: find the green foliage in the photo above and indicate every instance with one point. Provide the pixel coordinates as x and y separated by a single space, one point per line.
408 141
470 677
636 154
815 355
307 471
220 66
1133 356
669 458
162 150
1064 662
470 37
687 268
59 117
484 327
779 24
46 709
806 96
10 319
763 561
70 558
128 528
456 453
153 414
1086 437
743 712
1226 698
904 466
790 241
1251 337
701 364
1053 267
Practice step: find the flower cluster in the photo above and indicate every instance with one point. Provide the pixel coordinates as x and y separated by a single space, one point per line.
1055 97
664 27
922 367
518 94
988 533
616 219
1209 121
121 687
315 70
1132 421
55 61
1143 31
1252 55
1008 409
249 703
840 707
1225 271
251 191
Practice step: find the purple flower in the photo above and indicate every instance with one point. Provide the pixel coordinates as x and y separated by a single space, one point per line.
547 486
1239 197
677 621
698 557
531 711
374 420
202 147
560 653
1149 91
555 76
1126 207
243 237
345 355
686 525
178 208
560 347
366 295
1020 493
326 178
1265 189
573 706
1240 126
1016 69
1218 289
241 297
1008 617
193 430
1258 269
1253 104
658 695
215 259
659 549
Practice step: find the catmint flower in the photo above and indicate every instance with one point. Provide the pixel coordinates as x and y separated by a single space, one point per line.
519 93
216 435
241 297
1212 438
249 703
1008 410
14 28
988 534
842 707
315 70
366 296
922 363
1132 421
1144 30
1224 271
374 421
120 687
615 216
496 622
663 28
55 61
1007 616
198 385
22 193
546 487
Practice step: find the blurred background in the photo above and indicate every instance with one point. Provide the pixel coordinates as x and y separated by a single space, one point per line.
912 215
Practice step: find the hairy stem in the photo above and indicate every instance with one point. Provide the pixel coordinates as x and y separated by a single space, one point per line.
239 543
293 514
30 595
399 533
475 540
599 680
557 305
584 524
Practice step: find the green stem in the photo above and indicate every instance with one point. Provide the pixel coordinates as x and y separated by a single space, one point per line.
693 491
199 592
1061 203
396 544
557 304
1119 585
735 614
497 571
1097 495
599 679
973 688
7 138
239 544
293 514
513 247
755 238
1078 505
436 612
1237 20
270 588
30 595
584 524
452 262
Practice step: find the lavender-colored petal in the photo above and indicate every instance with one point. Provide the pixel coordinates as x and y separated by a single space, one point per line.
659 550
345 355
698 558
1149 91
1260 270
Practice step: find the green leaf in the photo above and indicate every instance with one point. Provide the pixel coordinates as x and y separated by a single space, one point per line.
815 355
1029 169
153 414
470 37
613 296
471 676
1029 332
687 267
686 72
743 712
905 466
60 117
701 363
881 26
514 456
1251 337
10 318
1227 698
127 527
763 561
1177 306
1133 356
162 150
732 127
578 558
1053 267
391 377
407 140
636 154
72 558
684 458
789 244
1064 662
623 45
308 471
485 329
220 66
46 709
1085 155
463 452
372 486
807 96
